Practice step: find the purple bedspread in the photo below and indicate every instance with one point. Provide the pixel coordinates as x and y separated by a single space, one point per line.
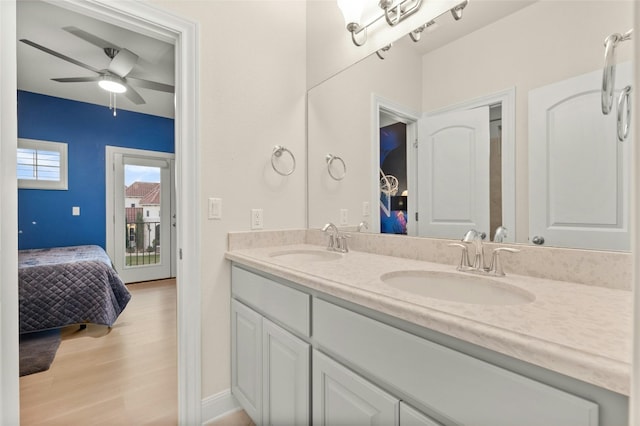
68 285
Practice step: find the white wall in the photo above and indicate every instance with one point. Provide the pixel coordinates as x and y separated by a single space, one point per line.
329 44
9 385
253 95
340 122
546 42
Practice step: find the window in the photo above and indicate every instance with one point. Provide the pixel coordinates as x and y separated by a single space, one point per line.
42 164
147 213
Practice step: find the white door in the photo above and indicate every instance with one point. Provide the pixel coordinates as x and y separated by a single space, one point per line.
140 241
578 171
453 173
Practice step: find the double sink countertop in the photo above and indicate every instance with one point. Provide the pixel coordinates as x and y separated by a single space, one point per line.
578 330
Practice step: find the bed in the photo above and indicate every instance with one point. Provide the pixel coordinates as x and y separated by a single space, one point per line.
63 286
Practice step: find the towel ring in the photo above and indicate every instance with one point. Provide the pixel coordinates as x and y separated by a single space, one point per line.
609 70
330 159
623 125
278 150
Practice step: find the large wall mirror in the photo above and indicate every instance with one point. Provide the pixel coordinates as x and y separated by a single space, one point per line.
491 122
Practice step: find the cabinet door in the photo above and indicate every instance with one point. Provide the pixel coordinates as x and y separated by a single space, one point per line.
285 377
411 417
246 359
341 397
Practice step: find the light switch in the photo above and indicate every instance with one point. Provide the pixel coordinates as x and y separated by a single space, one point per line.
344 217
75 211
215 208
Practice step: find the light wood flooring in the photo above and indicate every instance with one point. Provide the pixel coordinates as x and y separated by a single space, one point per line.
237 418
123 376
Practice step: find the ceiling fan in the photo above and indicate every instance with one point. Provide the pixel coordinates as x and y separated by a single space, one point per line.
115 78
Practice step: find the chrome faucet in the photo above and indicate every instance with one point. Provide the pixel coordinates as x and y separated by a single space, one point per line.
475 237
500 235
363 225
337 239
333 232
478 267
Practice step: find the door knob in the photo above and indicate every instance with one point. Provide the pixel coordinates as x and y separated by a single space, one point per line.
538 240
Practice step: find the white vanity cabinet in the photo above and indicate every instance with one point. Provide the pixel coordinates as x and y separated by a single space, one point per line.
358 366
341 397
453 385
412 417
269 364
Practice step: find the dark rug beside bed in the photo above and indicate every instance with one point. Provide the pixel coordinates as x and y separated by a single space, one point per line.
37 350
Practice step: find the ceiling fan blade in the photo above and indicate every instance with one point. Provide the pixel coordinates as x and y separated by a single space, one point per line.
153 85
132 95
60 55
76 79
123 62
88 37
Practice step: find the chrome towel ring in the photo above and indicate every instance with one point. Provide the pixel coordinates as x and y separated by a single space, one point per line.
278 150
330 160
624 123
609 70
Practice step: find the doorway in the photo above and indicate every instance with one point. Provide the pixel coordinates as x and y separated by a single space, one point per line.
141 214
394 135
184 34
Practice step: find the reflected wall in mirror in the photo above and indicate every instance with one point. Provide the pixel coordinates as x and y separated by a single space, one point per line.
456 182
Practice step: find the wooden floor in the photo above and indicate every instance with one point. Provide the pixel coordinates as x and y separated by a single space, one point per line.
237 418
125 376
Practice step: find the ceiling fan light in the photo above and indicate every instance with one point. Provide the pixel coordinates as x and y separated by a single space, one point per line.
112 85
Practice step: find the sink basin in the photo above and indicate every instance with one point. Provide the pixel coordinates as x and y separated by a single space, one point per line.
456 287
306 255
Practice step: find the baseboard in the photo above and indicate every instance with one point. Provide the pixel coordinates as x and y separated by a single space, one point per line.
218 405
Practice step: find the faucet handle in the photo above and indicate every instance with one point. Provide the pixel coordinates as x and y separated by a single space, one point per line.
496 265
342 245
464 258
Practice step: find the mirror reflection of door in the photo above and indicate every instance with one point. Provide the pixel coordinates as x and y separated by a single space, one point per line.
579 172
453 173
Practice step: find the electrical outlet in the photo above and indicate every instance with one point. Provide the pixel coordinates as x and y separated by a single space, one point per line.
366 208
257 219
215 208
75 211
344 217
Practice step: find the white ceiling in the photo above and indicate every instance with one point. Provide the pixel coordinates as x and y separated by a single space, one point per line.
42 23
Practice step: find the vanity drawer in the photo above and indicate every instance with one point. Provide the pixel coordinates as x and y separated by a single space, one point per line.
284 304
454 385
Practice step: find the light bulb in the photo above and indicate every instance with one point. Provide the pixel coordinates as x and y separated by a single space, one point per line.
112 85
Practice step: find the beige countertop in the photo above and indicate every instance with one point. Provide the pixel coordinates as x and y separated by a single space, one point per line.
578 330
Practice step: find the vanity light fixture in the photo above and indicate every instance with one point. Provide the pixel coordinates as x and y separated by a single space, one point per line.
393 14
417 33
457 11
383 51
431 25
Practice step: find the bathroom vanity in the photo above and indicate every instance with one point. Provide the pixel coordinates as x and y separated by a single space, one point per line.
324 338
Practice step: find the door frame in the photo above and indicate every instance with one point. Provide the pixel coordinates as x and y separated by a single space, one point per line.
507 98
110 175
162 25
410 118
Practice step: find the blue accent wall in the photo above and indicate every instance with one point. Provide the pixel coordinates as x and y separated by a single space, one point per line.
44 216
